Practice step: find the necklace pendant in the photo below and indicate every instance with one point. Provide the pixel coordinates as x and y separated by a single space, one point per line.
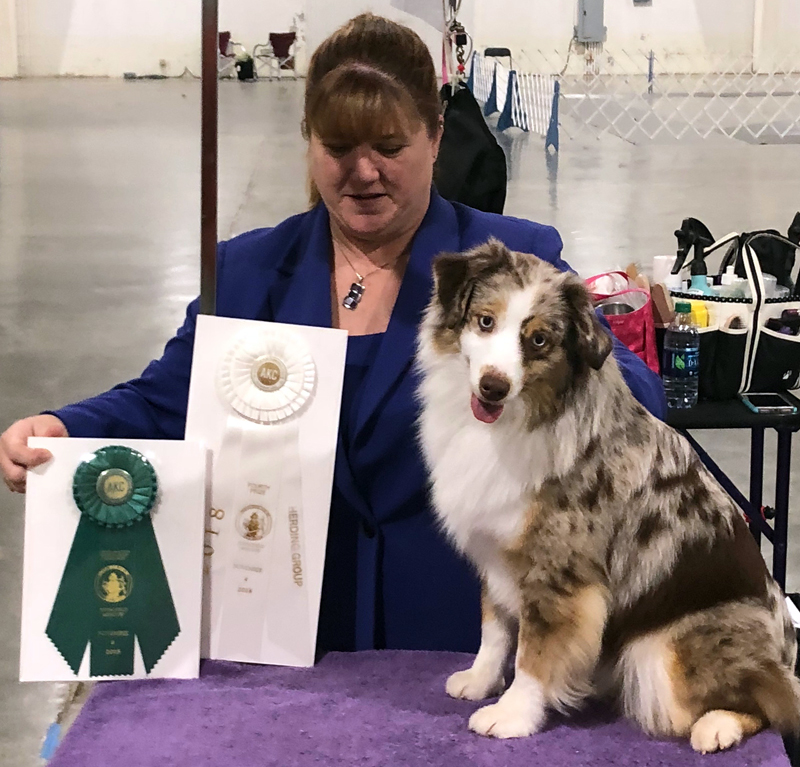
353 298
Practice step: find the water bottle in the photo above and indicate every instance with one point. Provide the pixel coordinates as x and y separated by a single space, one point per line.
681 358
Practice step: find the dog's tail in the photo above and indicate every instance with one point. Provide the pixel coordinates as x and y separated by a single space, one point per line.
777 690
777 694
735 657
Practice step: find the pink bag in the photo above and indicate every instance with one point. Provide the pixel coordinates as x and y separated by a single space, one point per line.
635 327
609 284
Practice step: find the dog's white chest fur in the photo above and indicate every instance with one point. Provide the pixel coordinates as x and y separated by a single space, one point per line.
484 475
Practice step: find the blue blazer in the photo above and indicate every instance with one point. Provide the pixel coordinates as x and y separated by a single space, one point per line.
391 580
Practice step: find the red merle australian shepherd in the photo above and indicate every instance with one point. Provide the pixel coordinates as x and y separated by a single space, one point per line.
611 561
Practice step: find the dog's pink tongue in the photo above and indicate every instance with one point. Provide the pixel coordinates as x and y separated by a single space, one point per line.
484 412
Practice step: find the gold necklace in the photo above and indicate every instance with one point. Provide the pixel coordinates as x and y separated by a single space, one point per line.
356 292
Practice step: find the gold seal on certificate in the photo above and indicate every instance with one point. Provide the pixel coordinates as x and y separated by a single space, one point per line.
113 583
114 487
253 522
269 374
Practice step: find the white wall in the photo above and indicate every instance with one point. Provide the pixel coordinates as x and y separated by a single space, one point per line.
324 16
681 25
525 26
538 31
677 24
109 37
776 34
9 54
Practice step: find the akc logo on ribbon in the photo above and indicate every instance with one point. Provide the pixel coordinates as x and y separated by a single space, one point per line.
267 376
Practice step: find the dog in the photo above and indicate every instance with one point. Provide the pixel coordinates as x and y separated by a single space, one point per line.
611 561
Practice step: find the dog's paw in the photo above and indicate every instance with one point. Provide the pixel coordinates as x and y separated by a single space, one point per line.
716 731
473 684
505 720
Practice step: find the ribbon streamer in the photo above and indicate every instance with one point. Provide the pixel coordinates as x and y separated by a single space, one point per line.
114 587
267 377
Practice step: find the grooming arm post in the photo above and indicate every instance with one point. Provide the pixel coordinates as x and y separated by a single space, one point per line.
208 165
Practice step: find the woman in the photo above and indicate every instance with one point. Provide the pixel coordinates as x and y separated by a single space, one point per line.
359 259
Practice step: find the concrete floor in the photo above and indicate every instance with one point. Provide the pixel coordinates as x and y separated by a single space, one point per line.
99 233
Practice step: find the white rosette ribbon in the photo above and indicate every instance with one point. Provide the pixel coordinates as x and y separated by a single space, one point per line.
267 377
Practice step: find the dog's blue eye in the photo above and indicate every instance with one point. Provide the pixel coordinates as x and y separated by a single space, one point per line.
538 340
485 322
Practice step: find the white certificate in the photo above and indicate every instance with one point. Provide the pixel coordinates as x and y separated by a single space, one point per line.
112 574
265 398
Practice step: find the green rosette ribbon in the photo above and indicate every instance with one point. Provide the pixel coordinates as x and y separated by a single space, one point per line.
114 586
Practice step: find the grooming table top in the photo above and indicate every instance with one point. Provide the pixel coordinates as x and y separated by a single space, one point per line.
385 709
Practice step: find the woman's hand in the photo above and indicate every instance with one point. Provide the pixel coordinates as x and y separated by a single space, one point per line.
15 455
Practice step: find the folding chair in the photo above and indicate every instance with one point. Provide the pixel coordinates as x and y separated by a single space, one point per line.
277 55
499 53
262 59
226 58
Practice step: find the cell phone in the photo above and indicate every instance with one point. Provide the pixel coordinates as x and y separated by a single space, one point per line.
772 403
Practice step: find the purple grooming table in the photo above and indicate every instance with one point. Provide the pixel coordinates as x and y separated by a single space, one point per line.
386 709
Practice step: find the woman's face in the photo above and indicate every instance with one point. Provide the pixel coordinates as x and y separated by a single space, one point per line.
378 191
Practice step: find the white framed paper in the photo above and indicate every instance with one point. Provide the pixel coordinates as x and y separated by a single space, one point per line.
52 520
265 398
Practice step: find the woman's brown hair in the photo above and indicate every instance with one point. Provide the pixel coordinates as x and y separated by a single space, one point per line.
370 78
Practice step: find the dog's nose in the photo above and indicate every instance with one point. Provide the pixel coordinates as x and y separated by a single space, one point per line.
493 387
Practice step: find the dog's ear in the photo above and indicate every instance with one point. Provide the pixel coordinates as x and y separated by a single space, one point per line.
450 277
455 275
592 343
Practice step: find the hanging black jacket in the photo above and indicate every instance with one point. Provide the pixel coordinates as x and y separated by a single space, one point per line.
471 168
